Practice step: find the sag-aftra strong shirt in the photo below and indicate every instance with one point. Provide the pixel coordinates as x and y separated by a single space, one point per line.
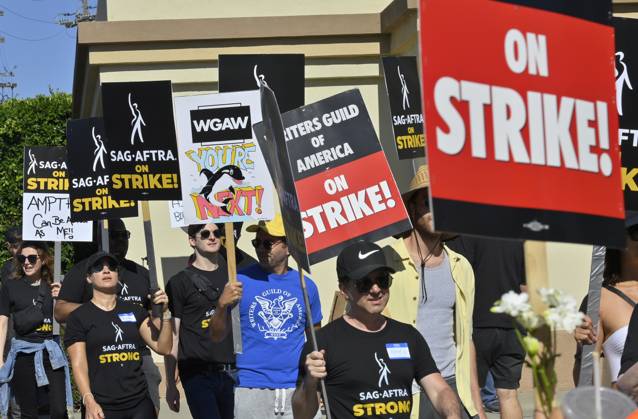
370 373
113 351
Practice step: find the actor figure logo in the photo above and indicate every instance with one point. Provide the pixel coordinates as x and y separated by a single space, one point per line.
124 290
259 78
119 333
136 122
275 313
32 164
99 151
383 370
622 79
404 89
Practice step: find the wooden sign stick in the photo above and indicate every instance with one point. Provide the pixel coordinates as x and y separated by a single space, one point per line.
231 261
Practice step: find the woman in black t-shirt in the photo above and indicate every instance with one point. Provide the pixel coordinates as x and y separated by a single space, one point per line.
28 297
104 338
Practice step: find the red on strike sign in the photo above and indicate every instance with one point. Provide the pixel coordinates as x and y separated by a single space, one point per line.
520 122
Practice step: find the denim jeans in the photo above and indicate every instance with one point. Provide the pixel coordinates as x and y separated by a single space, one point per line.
209 394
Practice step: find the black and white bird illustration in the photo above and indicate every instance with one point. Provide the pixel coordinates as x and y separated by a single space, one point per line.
218 182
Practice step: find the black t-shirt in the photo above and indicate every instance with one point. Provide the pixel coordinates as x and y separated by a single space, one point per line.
370 374
113 351
194 309
499 267
17 295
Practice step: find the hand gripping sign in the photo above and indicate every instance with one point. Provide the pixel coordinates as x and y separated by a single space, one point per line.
224 175
521 124
46 205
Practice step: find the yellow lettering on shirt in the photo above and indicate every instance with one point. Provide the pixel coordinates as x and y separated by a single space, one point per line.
119 357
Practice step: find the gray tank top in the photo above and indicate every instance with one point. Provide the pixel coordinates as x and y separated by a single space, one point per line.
435 315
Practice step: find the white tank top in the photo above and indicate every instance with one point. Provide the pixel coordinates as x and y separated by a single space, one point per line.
612 348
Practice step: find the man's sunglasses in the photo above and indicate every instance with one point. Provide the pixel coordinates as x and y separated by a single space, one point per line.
205 234
364 285
31 258
99 266
121 235
268 244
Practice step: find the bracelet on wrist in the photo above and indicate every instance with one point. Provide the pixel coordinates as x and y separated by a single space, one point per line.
84 398
166 316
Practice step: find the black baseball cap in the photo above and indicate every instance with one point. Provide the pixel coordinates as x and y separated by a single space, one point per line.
98 257
359 259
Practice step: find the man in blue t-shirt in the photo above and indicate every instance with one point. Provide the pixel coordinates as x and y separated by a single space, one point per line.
273 322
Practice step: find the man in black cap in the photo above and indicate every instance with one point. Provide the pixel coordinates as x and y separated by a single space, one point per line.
134 287
367 360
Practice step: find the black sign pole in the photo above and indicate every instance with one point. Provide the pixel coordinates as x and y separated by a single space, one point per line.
313 335
231 261
150 256
586 373
57 277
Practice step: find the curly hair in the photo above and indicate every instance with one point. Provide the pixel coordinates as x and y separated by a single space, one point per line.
46 271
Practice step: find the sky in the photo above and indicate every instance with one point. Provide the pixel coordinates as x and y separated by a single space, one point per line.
39 51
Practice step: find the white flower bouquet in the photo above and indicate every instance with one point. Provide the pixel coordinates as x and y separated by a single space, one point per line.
561 313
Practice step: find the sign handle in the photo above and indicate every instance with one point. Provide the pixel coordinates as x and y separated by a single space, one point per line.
586 374
313 335
150 257
57 277
231 262
104 235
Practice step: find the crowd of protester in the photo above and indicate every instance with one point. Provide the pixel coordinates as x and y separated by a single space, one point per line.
417 338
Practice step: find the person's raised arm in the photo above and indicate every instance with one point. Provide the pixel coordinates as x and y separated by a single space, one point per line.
443 398
304 400
77 354
163 343
4 324
219 321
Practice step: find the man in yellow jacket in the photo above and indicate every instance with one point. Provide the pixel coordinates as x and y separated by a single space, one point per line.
434 291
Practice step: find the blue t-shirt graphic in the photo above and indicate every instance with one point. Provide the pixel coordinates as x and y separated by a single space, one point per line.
273 323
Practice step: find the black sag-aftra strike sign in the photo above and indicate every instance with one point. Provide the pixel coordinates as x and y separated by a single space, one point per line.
138 117
45 199
404 93
626 62
283 73
88 164
520 119
221 124
272 142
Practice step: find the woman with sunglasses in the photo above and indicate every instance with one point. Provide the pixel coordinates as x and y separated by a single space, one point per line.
105 338
35 353
205 367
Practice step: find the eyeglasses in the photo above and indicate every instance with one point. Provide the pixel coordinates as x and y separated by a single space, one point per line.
364 285
205 234
121 235
268 244
99 266
31 258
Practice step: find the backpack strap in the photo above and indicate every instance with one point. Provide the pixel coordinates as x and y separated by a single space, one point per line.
620 294
200 283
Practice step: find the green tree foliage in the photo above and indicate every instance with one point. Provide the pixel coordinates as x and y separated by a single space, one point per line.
40 120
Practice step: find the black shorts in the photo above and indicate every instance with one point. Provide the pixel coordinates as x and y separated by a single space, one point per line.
498 351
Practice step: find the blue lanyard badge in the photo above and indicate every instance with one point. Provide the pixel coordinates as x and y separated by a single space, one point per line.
127 317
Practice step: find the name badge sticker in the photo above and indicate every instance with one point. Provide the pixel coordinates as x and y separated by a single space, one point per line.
127 317
398 350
